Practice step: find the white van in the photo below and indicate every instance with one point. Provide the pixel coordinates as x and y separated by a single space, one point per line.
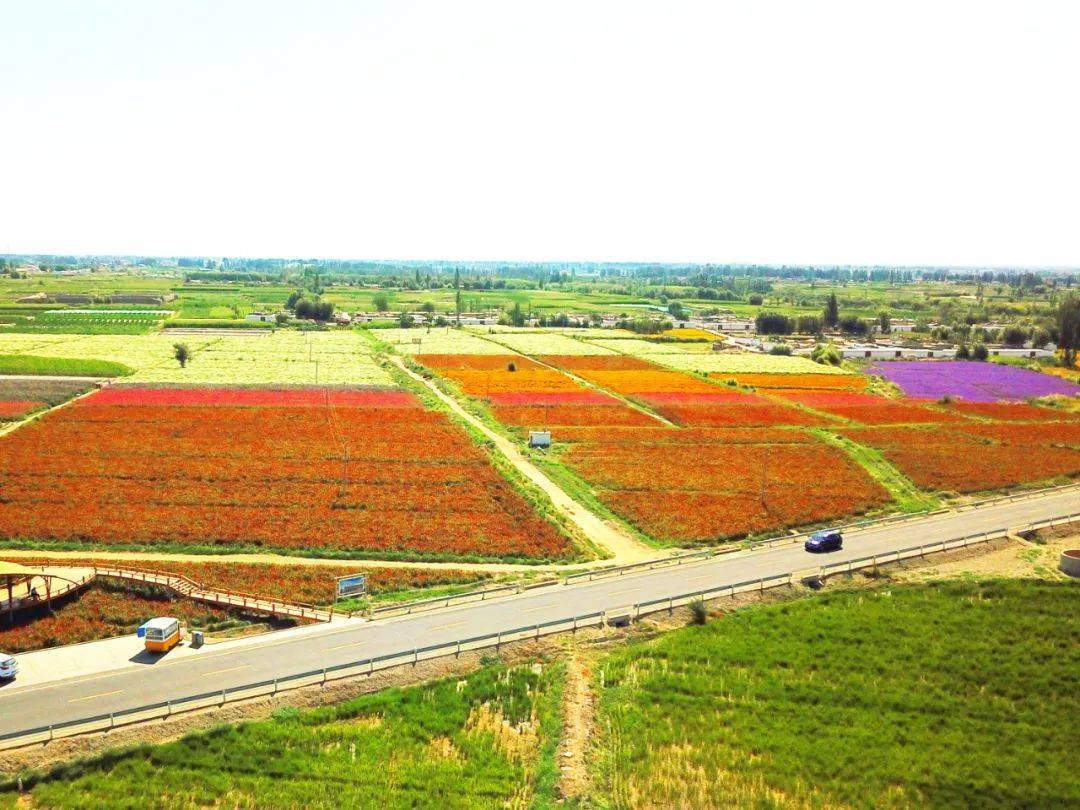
9 667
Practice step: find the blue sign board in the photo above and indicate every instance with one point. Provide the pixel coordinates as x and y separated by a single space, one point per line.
352 585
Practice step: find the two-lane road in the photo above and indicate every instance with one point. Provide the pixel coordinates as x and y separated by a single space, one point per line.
288 654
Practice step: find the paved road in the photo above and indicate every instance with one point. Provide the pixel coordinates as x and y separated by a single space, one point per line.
284 655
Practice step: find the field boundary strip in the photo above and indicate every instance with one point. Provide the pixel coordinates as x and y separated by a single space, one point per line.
368 666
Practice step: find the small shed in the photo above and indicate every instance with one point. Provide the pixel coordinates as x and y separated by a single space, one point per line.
539 438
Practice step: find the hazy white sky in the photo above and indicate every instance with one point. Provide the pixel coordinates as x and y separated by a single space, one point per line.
732 130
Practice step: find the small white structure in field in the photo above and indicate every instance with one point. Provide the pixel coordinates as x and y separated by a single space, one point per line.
539 438
260 317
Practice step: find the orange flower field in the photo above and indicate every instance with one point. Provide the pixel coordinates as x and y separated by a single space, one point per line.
973 457
722 470
334 474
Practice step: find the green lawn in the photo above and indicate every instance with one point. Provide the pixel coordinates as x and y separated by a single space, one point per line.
487 741
948 695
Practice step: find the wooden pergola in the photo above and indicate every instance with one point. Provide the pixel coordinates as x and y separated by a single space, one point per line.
12 573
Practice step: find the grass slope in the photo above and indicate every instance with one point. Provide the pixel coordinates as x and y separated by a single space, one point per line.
486 741
948 695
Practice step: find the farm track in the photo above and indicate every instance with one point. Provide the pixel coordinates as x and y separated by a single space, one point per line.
623 547
278 559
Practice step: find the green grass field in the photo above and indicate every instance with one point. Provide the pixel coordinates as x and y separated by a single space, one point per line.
486 741
61 366
948 695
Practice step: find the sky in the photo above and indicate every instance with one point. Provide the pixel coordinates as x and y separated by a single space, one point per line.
783 131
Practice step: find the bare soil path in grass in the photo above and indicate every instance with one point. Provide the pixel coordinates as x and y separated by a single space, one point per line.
623 546
579 720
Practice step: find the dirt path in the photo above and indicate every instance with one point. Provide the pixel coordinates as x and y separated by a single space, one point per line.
277 559
579 720
624 547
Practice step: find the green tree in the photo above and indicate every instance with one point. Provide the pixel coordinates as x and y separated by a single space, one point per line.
884 322
381 302
1014 336
182 353
405 320
427 306
980 352
1068 328
677 310
831 315
772 323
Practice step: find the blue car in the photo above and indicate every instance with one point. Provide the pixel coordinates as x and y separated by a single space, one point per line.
827 540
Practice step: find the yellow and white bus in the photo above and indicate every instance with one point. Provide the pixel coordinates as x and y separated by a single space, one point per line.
161 634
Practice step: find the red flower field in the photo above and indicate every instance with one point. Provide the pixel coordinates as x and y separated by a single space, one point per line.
253 397
17 408
358 472
1011 411
103 612
868 409
973 458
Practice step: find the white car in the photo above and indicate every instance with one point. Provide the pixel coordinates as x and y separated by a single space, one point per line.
9 667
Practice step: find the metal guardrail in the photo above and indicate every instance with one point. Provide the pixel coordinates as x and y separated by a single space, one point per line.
368 666
478 595
908 516
648 565
790 539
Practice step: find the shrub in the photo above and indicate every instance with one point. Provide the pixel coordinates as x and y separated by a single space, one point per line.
699 614
826 354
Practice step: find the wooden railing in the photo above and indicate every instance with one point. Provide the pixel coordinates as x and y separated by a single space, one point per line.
184 586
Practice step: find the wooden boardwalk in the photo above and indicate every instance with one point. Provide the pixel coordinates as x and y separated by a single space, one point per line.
66 580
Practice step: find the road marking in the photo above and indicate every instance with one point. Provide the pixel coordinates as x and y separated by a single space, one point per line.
229 669
448 626
624 590
533 609
703 576
343 646
92 697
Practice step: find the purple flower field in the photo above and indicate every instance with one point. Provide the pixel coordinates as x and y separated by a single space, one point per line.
971 381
